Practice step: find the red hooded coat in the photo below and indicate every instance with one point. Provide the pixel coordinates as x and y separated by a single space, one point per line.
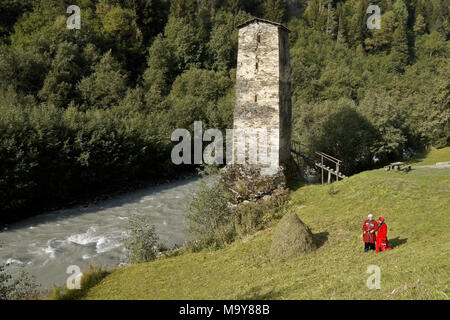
367 228
382 241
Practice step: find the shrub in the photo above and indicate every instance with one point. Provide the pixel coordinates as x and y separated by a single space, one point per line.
142 243
89 279
50 156
15 288
210 218
223 209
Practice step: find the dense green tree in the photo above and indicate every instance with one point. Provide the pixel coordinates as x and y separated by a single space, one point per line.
183 9
152 16
106 86
275 10
81 109
381 40
335 127
400 49
65 71
381 110
134 102
224 39
419 25
316 14
185 43
121 28
194 97
357 29
11 11
400 13
24 69
433 44
332 22
341 25
425 9
160 73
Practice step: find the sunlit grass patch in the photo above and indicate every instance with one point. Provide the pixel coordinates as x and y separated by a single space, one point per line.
432 157
414 204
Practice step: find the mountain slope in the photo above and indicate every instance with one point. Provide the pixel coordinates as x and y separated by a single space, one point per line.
415 206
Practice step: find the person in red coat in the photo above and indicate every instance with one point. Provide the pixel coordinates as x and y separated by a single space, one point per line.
382 243
369 228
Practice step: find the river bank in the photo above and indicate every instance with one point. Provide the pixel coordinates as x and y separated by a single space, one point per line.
108 192
92 234
415 206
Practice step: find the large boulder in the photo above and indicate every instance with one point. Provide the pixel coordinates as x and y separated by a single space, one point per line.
291 238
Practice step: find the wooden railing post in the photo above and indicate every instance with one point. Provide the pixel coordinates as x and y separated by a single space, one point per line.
321 161
296 147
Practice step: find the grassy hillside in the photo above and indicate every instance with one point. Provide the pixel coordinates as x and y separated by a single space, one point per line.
430 158
415 206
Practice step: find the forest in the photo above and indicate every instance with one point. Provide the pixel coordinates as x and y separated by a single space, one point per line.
82 109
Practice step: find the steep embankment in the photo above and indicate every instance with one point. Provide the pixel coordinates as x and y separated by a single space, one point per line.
415 206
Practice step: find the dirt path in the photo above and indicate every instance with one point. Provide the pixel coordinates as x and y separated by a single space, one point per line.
442 166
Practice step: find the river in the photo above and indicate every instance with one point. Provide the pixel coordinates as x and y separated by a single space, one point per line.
46 245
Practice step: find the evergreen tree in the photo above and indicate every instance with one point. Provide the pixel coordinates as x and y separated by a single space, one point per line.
381 40
316 15
425 8
341 35
419 25
400 50
357 26
433 44
65 72
386 5
106 86
160 73
332 24
223 44
183 9
401 14
151 16
400 46
11 11
234 5
275 10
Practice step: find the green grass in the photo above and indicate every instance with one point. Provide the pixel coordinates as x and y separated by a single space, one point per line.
415 206
431 157
90 278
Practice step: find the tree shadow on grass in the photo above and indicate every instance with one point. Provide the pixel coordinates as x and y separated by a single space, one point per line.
396 242
320 238
295 184
255 293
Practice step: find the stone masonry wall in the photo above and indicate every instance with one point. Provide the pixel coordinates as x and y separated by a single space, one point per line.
263 89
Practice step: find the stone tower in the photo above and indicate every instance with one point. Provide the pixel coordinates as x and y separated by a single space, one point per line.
263 96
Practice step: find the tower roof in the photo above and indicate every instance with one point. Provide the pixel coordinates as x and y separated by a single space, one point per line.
246 23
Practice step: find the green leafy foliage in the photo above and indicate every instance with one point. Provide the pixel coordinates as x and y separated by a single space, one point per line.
142 243
85 108
51 154
106 86
210 218
232 203
18 287
90 278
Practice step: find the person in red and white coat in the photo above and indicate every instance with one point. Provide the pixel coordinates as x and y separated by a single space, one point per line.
369 228
382 243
